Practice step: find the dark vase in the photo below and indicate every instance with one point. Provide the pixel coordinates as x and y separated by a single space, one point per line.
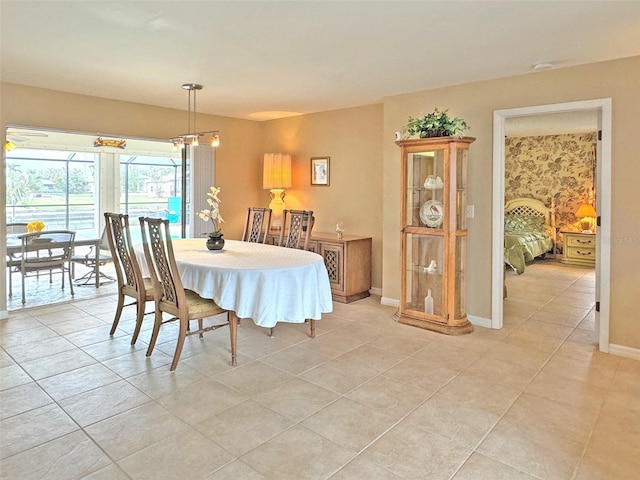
215 243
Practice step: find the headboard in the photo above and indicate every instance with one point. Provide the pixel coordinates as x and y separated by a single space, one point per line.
531 206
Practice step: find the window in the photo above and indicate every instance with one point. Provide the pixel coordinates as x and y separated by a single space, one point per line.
151 187
56 187
68 182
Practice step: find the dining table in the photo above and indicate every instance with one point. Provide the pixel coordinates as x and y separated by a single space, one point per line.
266 283
14 249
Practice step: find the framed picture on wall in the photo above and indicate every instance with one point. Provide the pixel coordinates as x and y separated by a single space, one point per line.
320 171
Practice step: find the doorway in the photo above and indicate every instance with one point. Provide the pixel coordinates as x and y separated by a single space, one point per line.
603 207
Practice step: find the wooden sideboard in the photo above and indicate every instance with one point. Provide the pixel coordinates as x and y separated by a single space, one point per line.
348 262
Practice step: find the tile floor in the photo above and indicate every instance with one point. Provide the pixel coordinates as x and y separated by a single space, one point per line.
368 398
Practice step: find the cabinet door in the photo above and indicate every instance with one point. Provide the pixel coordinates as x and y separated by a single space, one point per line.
313 246
424 267
426 189
333 255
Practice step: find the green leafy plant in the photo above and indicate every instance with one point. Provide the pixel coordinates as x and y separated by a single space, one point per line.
435 124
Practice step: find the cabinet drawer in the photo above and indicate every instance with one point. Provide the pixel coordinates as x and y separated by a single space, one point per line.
583 253
581 241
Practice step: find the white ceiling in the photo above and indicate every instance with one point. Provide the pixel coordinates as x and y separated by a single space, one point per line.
271 59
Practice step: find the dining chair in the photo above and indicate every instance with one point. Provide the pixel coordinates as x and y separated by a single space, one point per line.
257 225
89 260
13 260
295 233
46 251
131 283
170 295
296 230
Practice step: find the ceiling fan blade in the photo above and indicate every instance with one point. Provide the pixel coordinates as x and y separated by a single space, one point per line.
16 138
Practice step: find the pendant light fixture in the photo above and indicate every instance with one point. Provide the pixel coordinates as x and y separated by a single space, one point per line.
193 136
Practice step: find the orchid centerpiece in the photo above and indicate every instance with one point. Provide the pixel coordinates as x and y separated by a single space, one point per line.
213 213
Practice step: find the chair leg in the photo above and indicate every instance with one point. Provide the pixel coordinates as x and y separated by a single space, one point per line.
312 324
200 325
233 332
116 319
10 282
156 328
140 304
24 300
271 331
70 280
181 336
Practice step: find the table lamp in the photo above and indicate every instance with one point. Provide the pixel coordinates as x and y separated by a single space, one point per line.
586 213
276 176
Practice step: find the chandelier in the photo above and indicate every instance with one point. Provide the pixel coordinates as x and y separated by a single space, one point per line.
193 137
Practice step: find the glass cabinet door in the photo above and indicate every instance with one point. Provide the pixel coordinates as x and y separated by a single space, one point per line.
426 189
461 189
423 276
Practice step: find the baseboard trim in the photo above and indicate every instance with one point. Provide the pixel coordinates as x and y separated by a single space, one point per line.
390 302
4 314
622 351
479 321
375 291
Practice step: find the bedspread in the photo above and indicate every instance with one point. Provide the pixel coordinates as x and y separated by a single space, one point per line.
524 239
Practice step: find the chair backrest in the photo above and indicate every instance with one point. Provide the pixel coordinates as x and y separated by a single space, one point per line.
296 229
161 262
53 247
256 225
118 236
15 228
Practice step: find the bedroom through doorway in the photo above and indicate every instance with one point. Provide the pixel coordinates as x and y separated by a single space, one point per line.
551 163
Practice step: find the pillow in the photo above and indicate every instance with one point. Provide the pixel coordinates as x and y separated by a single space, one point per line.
532 221
513 223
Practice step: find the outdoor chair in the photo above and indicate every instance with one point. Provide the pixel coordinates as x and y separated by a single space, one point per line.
13 260
46 251
89 261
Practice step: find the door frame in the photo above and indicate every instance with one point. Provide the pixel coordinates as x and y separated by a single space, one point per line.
603 196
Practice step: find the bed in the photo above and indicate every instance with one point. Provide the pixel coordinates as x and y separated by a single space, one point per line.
529 231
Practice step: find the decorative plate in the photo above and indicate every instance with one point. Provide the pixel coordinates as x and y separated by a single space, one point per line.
432 213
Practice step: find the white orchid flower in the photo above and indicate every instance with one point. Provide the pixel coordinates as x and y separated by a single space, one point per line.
213 213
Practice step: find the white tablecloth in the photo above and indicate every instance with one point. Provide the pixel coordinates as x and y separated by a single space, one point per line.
266 283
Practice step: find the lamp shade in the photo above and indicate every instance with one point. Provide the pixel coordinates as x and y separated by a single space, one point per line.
277 171
586 210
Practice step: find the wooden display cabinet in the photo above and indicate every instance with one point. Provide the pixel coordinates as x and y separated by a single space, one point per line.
434 233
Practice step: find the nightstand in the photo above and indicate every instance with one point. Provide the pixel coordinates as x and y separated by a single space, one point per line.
579 249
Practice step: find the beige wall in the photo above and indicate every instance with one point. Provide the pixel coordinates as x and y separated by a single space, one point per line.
352 138
476 103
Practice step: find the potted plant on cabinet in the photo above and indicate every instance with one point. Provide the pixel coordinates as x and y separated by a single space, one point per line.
435 124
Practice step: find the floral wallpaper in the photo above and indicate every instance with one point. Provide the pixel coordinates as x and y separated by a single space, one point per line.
553 166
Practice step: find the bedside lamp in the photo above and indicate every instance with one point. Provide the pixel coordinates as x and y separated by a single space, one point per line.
586 213
276 176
